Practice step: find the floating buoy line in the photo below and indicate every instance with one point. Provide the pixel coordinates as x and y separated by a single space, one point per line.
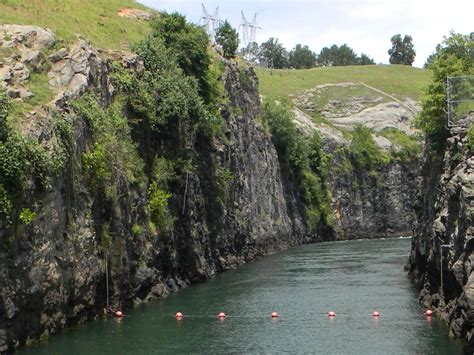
331 314
273 315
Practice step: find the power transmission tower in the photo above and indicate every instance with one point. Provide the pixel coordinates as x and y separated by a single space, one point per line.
210 22
249 29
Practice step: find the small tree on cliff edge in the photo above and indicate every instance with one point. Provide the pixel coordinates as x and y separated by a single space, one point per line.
453 57
228 38
402 51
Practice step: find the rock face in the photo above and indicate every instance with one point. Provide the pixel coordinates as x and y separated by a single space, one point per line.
52 273
23 46
444 229
366 205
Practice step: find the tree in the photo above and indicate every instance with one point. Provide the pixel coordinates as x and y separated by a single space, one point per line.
273 54
402 51
228 38
338 56
187 42
364 59
301 57
453 57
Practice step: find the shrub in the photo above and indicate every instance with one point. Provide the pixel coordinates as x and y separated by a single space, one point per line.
408 146
27 216
137 230
365 154
187 42
21 159
158 208
302 159
113 156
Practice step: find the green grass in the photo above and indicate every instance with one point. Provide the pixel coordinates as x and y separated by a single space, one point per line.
38 84
399 80
95 20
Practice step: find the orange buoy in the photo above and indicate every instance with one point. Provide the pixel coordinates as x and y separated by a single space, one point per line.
331 314
274 314
179 315
428 313
375 314
221 315
118 314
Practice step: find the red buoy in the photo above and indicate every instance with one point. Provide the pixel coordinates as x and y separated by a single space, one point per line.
375 314
179 315
428 313
118 314
274 314
331 314
221 315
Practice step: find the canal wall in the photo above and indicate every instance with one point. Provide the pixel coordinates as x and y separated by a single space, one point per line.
441 256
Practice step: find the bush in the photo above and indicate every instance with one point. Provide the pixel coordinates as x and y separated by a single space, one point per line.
114 156
186 42
162 94
27 216
137 230
21 160
408 146
302 159
364 152
158 208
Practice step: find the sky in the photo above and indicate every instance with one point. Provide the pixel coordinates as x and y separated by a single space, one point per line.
364 25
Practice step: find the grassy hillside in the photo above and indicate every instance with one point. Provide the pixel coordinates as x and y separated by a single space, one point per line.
96 20
399 80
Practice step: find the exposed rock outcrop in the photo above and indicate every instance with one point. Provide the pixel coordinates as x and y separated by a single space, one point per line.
366 205
444 230
52 272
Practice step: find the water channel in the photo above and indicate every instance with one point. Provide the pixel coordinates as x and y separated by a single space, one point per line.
351 278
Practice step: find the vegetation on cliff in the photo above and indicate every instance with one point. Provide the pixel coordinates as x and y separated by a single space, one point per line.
24 164
453 57
302 160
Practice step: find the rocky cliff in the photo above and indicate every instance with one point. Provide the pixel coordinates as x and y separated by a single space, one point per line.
375 202
52 270
232 204
441 257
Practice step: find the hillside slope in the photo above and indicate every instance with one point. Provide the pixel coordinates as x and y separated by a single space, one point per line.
95 20
399 80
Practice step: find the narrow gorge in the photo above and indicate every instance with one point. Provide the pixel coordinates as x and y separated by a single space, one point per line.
128 175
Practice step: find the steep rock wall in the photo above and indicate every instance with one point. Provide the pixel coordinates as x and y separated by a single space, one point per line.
52 273
444 229
366 204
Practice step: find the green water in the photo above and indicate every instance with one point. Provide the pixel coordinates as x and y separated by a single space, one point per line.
303 284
